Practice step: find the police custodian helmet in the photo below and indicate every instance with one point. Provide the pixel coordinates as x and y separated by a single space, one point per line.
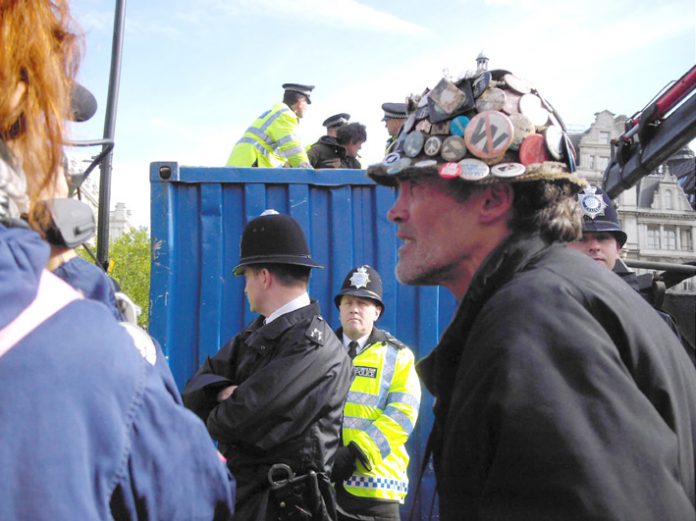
363 282
274 238
599 214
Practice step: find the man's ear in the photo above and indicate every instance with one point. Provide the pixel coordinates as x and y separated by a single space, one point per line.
266 277
497 202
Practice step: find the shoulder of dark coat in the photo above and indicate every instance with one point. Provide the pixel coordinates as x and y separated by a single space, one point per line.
318 330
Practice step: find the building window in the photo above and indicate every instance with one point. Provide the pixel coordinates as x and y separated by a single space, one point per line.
667 201
654 237
686 243
590 162
670 238
603 138
602 163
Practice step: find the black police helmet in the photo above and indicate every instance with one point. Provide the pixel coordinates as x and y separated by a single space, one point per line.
599 214
363 282
274 238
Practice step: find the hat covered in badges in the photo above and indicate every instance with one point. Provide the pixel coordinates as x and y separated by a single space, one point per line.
394 111
599 214
274 238
337 120
363 282
486 127
305 90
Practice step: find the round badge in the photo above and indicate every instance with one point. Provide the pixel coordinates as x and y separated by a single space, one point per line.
473 169
397 167
432 146
424 126
458 125
533 150
517 84
512 102
409 123
453 148
492 98
523 127
414 143
391 158
554 141
488 134
508 170
449 170
480 83
530 106
425 163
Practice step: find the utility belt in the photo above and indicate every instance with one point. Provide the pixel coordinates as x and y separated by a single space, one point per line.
307 497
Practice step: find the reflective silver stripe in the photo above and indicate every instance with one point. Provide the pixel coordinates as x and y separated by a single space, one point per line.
351 422
405 398
379 439
261 135
363 399
286 139
387 375
291 151
270 120
369 482
258 146
399 417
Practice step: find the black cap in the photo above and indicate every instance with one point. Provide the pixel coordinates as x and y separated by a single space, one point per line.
394 111
363 282
599 214
274 238
83 104
305 90
337 120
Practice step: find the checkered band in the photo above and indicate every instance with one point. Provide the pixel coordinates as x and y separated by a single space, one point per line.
369 482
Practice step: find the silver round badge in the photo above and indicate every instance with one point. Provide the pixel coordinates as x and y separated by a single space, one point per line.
530 106
391 158
414 143
492 98
453 148
508 170
425 163
554 141
397 167
523 127
432 146
473 169
480 83
517 84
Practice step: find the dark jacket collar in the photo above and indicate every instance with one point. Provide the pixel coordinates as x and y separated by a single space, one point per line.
257 329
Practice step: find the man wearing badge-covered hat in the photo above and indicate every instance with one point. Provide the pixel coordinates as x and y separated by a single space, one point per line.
272 140
560 394
273 395
382 406
394 116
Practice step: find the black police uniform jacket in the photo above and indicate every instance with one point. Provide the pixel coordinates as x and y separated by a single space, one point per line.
560 395
293 376
328 149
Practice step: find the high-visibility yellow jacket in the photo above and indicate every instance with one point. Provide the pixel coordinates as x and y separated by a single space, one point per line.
380 413
271 141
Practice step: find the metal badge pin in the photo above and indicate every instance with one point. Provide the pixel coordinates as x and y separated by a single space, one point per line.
449 170
553 136
432 146
458 125
453 148
447 96
512 102
397 167
480 83
424 126
435 113
489 134
523 127
518 84
533 150
441 128
409 123
391 158
414 143
492 98
473 169
425 163
530 106
508 170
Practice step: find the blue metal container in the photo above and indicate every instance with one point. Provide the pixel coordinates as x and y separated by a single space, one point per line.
196 304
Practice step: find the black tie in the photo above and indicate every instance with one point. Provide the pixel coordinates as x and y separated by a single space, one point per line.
352 349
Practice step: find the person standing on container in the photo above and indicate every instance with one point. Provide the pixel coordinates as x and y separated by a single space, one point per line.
394 117
342 151
272 140
91 427
382 407
273 395
559 393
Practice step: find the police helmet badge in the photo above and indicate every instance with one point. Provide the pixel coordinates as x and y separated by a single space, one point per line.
591 203
360 278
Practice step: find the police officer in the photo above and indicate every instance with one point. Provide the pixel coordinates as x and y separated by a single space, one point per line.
382 406
327 152
394 117
274 393
271 140
333 123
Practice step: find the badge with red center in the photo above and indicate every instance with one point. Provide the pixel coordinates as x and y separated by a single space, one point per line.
449 170
533 150
489 134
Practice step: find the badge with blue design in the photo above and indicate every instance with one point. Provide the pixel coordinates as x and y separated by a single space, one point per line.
360 278
591 202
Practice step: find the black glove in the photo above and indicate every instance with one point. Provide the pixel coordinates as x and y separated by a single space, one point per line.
344 464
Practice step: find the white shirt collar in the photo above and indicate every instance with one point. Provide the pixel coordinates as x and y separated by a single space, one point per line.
296 303
361 341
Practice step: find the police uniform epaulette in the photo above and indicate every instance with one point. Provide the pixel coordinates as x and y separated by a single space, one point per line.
316 331
395 341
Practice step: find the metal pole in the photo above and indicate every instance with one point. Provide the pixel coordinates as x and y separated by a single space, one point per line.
109 130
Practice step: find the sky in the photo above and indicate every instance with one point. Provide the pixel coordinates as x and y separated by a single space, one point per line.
196 73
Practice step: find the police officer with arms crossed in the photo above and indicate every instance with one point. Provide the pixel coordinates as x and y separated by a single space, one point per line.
273 395
381 409
559 393
271 140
